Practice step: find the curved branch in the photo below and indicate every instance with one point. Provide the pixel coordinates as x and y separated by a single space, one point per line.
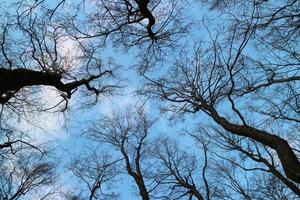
286 155
270 82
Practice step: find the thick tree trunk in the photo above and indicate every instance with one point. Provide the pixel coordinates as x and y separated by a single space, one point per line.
14 80
142 188
197 194
11 81
143 7
288 158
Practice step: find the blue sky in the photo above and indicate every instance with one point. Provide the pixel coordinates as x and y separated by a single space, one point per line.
64 130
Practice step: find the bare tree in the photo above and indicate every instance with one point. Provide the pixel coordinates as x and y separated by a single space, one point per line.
224 74
243 81
33 55
34 41
242 168
25 175
178 173
257 153
239 179
163 170
35 37
127 22
127 133
97 171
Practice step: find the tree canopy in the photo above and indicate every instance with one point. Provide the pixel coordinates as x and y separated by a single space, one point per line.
213 88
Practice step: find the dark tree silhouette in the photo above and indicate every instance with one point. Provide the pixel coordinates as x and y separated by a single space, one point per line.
97 171
23 176
254 59
128 134
241 82
178 172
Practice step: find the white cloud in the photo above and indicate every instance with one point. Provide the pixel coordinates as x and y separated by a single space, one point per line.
44 126
121 102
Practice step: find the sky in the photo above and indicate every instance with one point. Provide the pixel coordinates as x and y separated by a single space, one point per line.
67 132
64 129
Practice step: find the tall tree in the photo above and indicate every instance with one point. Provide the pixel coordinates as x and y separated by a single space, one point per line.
241 80
253 60
128 133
